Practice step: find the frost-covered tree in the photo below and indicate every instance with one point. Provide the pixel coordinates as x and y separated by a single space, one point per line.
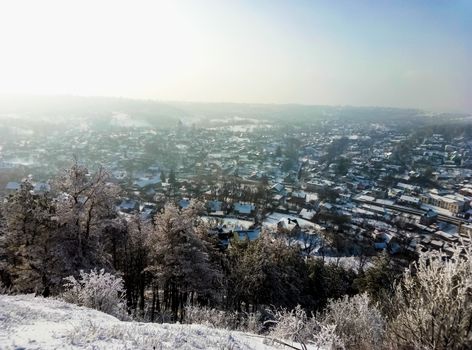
265 272
324 281
181 262
379 279
29 242
434 302
85 205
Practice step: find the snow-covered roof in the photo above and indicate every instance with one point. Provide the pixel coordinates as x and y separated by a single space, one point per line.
278 187
307 213
146 181
215 205
244 208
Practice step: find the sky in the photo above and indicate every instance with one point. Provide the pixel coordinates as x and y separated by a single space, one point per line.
408 53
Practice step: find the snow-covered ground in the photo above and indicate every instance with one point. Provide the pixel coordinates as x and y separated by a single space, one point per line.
236 224
274 218
28 322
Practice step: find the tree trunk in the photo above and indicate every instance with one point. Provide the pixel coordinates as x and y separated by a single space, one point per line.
155 301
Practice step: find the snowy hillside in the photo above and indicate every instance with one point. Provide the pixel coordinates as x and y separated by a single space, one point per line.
28 322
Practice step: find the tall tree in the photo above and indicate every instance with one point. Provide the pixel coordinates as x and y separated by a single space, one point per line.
85 205
29 243
180 260
265 272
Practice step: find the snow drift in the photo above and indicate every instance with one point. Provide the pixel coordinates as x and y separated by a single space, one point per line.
28 322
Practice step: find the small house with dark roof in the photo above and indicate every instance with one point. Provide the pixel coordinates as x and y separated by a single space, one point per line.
429 217
12 186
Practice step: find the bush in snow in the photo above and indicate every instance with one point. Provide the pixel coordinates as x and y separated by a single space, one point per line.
358 324
434 302
295 326
246 322
98 290
291 325
325 337
210 317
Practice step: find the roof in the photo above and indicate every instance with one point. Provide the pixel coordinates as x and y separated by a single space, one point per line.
13 186
244 208
307 214
215 205
299 194
184 203
410 199
128 204
430 213
249 234
42 187
380 245
278 187
146 181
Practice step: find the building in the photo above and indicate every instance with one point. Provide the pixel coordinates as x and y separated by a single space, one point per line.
429 217
455 203
465 230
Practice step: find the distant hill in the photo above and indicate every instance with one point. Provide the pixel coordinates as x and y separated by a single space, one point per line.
167 114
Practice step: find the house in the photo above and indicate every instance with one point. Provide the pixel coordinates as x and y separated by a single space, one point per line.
465 230
12 186
251 234
288 224
41 187
214 206
409 200
307 214
298 198
429 217
147 181
243 208
147 210
278 188
455 203
223 233
380 245
128 206
184 203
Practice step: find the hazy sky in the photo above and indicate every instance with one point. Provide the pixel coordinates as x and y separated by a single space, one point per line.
389 53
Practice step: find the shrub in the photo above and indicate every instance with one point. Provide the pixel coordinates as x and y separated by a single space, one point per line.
211 317
98 290
295 326
359 324
245 322
291 325
433 302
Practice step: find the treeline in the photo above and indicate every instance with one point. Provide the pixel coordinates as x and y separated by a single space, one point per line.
165 263
173 264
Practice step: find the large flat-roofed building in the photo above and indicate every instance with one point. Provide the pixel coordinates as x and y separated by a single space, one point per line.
455 203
